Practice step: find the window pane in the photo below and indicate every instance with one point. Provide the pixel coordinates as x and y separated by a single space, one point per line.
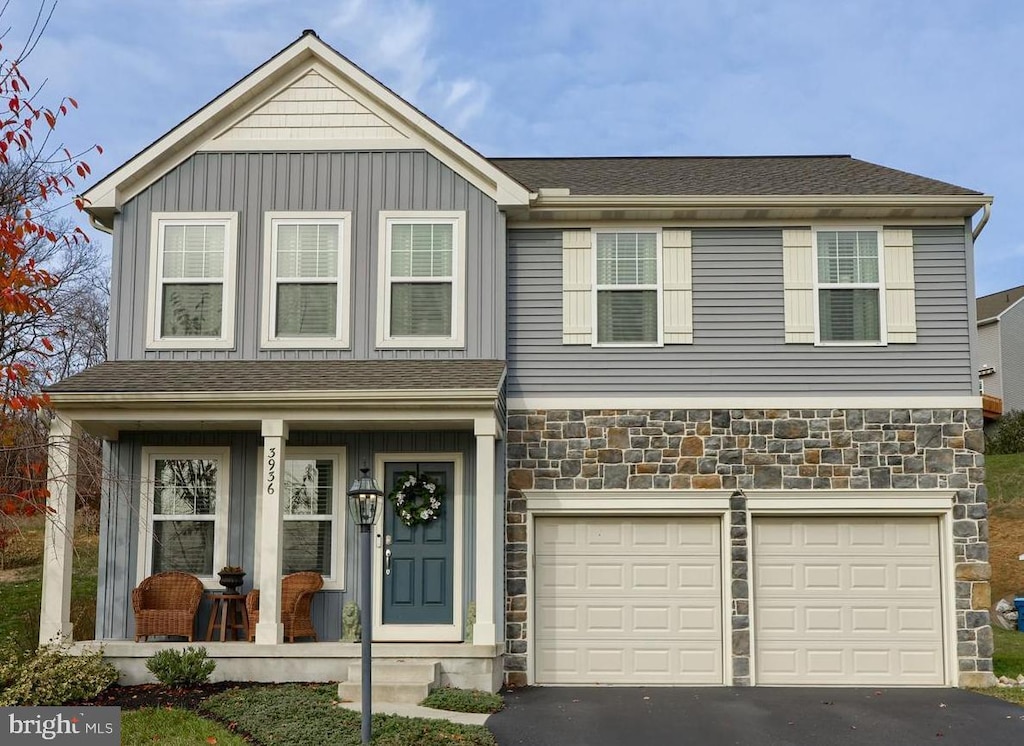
847 256
307 546
307 310
184 487
627 316
849 315
191 311
186 546
627 259
194 251
421 309
308 487
421 250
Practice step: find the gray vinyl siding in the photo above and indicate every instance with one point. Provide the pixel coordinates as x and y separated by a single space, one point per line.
119 540
990 356
363 183
739 344
1011 326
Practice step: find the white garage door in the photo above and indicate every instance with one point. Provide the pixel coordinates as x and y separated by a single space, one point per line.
628 600
847 601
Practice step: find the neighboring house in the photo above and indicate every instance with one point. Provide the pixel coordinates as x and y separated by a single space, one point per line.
699 420
1001 348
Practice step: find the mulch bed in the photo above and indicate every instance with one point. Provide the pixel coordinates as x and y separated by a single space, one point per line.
158 695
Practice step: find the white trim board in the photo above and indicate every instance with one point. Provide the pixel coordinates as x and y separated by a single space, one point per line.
627 502
422 632
767 401
856 502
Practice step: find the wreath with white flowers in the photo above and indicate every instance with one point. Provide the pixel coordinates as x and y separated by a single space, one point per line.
417 498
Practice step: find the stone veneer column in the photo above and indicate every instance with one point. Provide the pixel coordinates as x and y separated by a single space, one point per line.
744 449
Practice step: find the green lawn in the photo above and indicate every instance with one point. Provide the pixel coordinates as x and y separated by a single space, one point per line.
173 728
1004 477
1009 656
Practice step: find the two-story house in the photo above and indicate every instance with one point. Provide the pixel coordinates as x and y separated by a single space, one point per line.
1001 350
694 420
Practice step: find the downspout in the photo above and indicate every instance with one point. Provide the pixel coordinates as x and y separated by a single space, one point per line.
985 215
99 226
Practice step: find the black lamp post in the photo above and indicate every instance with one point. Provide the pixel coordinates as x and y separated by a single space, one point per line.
364 499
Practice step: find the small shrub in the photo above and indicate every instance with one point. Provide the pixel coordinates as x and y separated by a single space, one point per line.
1009 434
178 668
50 675
463 700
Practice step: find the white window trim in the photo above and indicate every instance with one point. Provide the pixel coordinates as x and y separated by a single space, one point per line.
226 340
457 339
883 339
268 333
598 287
336 580
150 455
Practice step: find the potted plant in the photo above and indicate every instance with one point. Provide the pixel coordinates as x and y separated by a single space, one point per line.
231 577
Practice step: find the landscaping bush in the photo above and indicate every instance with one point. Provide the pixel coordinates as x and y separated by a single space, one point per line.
178 668
463 700
50 675
1009 434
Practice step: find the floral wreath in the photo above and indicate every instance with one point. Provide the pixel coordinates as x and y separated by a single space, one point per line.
417 499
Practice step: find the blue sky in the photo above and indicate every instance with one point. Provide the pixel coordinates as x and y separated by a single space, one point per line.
928 86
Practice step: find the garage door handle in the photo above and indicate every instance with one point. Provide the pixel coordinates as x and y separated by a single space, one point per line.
387 561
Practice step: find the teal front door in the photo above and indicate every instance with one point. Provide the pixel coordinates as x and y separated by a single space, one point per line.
419 571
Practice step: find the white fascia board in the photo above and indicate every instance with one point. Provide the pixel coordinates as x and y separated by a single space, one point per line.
767 401
185 139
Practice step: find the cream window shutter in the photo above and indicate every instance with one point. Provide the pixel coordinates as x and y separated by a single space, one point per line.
577 285
677 287
900 311
798 282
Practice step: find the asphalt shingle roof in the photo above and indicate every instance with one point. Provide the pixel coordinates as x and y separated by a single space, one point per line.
144 376
990 306
705 176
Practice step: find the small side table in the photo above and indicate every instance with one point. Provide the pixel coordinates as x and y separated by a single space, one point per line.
227 614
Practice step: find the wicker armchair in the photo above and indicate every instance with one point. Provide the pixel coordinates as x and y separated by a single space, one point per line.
166 604
297 591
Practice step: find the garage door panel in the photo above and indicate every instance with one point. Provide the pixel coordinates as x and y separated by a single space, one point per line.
866 612
646 595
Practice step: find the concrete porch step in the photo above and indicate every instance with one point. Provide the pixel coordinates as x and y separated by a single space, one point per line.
394 681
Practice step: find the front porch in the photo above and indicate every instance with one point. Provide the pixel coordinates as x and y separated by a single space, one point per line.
241 511
463 665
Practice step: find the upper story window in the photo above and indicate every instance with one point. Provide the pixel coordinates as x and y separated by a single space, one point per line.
192 280
849 287
184 513
628 291
306 280
422 268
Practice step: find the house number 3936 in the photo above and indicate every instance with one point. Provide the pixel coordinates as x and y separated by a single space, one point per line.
271 470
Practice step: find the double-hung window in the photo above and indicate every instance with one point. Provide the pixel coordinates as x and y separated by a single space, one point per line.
422 267
192 280
314 523
628 297
185 497
306 280
849 281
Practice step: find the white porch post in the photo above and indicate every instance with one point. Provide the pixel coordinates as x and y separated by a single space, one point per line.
269 630
59 532
484 632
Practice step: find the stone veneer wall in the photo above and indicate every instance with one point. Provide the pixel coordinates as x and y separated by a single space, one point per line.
695 449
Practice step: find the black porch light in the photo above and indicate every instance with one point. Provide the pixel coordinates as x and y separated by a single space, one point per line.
364 498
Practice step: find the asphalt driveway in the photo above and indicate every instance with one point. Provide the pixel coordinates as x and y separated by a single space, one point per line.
613 716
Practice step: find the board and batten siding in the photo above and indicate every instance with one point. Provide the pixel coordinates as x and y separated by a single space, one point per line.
119 539
1011 333
363 183
739 346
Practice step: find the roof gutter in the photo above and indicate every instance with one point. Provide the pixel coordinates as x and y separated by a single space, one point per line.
554 199
985 215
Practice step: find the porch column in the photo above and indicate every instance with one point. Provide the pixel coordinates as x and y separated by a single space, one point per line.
269 630
484 632
59 531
